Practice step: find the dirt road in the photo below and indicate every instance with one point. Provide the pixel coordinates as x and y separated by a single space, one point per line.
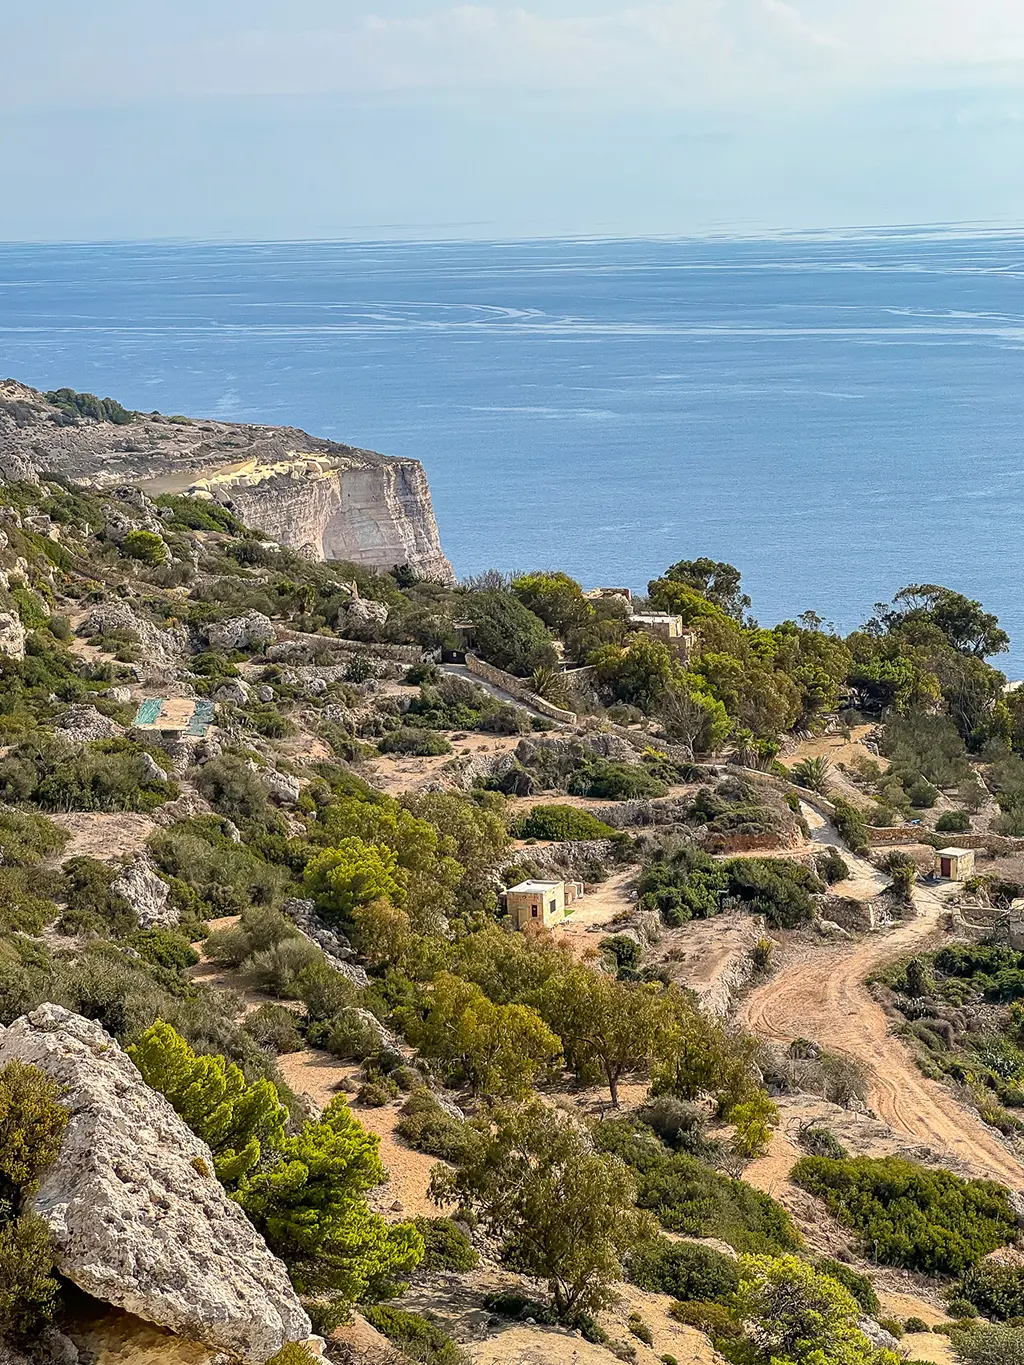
821 995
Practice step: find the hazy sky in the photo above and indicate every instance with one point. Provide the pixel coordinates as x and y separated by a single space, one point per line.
379 118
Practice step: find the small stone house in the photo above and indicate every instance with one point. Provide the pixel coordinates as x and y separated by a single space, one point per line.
541 903
956 864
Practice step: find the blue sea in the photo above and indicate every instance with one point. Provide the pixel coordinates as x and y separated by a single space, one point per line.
836 416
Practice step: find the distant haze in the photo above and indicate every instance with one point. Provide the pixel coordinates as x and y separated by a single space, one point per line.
397 118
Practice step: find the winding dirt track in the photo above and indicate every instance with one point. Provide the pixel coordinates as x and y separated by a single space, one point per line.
822 996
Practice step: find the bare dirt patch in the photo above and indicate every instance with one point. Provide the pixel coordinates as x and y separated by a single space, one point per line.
97 834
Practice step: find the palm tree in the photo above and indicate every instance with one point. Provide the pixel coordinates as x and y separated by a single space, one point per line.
811 773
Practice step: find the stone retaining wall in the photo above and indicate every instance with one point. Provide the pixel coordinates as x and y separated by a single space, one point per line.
517 688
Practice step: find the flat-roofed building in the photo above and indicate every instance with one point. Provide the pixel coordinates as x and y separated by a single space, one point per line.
541 903
956 864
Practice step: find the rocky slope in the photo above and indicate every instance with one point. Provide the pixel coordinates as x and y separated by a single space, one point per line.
327 500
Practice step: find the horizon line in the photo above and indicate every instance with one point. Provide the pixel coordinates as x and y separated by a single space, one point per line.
962 230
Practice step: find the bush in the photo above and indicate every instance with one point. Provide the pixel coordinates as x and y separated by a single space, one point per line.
145 546
831 866
953 822
293 1354
560 823
988 1345
683 1269
821 1141
274 1027
413 1334
860 1286
428 1128
445 1245
995 1289
713 1319
909 1216
29 1293
416 742
377 1091
851 825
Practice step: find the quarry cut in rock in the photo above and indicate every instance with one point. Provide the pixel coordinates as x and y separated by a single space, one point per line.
137 1216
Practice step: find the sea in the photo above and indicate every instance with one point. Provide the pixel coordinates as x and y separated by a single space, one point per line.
838 415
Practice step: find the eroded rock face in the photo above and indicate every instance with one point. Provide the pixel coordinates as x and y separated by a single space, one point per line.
160 647
242 632
147 894
324 499
12 635
137 1216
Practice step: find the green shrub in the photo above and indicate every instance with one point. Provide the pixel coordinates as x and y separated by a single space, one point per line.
106 775
446 1246
916 1325
953 822
860 1286
351 1034
274 1027
293 1354
821 1141
909 1216
990 1345
683 1269
145 546
560 823
428 1128
29 1292
995 1288
851 825
713 1319
72 406
377 1091
640 1329
512 1305
413 1334
419 743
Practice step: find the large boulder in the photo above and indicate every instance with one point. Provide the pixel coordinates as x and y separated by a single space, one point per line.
147 894
236 691
241 632
363 617
160 648
137 1216
81 723
12 635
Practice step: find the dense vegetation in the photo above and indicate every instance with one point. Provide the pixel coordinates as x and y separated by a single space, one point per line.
429 1000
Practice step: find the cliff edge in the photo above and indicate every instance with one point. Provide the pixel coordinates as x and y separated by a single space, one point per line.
324 499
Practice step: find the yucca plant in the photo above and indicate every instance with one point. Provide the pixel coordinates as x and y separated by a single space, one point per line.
811 773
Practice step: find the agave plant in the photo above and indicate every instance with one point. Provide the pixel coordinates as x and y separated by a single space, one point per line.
811 773
544 682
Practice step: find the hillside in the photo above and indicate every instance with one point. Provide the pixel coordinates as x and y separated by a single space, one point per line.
280 1079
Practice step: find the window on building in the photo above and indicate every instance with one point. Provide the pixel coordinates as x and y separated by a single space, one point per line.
551 907
533 912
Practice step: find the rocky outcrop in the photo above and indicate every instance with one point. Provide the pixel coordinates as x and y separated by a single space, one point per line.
242 632
147 894
81 723
324 499
138 1219
159 647
12 635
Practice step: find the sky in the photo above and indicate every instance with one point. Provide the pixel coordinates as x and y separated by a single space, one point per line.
416 118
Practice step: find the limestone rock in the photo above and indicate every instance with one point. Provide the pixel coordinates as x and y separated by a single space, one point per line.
12 635
151 768
241 632
147 894
877 1335
138 1219
82 723
264 692
161 648
363 616
234 690
122 695
281 785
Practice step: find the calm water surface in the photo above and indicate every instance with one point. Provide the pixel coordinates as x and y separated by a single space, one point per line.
837 417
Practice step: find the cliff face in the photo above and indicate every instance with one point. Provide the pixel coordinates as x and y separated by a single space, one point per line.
327 500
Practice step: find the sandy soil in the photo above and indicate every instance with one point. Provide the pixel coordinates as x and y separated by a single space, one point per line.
841 753
710 957
95 834
820 994
586 926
